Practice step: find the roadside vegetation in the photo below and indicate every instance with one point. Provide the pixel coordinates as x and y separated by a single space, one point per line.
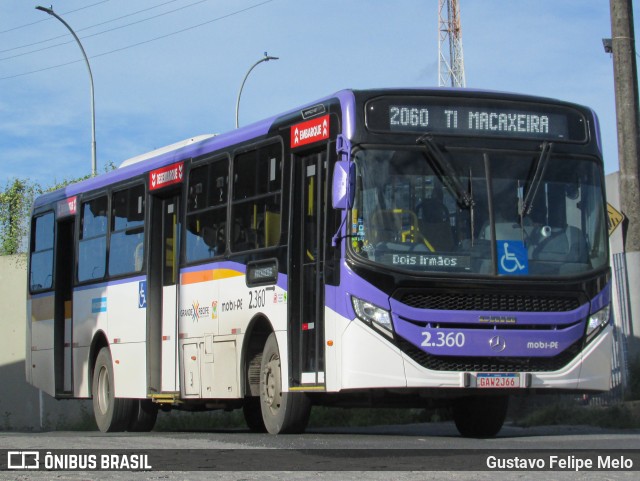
619 416
16 200
321 417
634 380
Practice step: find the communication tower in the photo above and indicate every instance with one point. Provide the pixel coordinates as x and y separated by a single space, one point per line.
451 61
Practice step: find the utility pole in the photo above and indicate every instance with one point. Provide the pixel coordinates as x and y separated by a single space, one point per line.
628 123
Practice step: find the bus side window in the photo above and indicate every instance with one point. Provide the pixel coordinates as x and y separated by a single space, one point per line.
93 240
207 210
257 190
127 231
41 273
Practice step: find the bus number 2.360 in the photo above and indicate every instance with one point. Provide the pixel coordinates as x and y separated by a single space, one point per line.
441 339
257 299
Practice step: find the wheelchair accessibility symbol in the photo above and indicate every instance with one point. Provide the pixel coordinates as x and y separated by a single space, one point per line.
512 257
142 294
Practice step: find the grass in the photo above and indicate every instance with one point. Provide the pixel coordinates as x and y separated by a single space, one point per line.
199 421
615 417
334 417
320 417
633 392
555 412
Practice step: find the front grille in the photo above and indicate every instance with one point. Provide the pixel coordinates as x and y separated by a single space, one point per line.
488 302
490 364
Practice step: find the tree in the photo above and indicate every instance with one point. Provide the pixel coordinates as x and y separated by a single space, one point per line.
16 200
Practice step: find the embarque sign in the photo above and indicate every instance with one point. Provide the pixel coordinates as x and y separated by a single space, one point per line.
311 131
169 175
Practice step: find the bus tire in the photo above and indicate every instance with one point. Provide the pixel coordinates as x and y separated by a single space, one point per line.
253 415
282 412
112 414
143 416
480 416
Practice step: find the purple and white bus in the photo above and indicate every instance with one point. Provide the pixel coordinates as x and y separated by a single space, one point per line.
418 248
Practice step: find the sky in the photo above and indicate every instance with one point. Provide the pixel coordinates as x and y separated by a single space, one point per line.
165 71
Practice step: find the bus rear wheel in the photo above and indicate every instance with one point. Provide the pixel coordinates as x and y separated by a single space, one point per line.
282 412
480 416
112 414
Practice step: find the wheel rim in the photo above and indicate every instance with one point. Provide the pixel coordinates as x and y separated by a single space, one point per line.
272 384
104 390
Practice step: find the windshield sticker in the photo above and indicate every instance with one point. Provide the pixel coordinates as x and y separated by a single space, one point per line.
513 259
429 260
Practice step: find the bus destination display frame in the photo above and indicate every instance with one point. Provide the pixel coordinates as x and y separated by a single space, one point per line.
459 116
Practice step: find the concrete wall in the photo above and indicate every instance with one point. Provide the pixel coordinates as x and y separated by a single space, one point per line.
23 407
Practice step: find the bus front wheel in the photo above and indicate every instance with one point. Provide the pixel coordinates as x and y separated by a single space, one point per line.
112 414
282 412
480 416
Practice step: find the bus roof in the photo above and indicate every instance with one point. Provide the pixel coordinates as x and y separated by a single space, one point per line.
185 150
205 144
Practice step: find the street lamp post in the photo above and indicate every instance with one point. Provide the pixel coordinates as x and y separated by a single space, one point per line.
93 109
266 58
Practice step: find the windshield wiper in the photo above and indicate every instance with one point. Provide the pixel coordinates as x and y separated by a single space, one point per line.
446 171
538 174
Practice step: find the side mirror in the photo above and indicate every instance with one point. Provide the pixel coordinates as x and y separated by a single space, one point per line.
344 180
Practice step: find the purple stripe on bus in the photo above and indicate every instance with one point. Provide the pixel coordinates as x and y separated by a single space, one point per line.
489 342
474 317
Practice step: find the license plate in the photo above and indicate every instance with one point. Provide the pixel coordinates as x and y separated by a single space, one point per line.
497 380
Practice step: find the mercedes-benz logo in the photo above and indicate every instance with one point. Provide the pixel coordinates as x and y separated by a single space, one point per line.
497 343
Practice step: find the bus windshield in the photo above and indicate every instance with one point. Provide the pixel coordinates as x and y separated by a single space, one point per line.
466 212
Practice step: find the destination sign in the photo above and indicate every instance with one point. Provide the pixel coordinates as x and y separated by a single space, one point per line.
422 261
262 272
475 117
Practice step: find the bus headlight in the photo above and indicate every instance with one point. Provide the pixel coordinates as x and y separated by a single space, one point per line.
373 315
597 322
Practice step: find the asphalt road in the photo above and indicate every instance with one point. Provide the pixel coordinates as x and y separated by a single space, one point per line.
236 454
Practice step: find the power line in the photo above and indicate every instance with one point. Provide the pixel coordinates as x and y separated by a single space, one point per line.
86 28
105 31
49 18
143 42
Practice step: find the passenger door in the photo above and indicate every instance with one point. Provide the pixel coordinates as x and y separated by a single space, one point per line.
162 292
62 332
306 267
